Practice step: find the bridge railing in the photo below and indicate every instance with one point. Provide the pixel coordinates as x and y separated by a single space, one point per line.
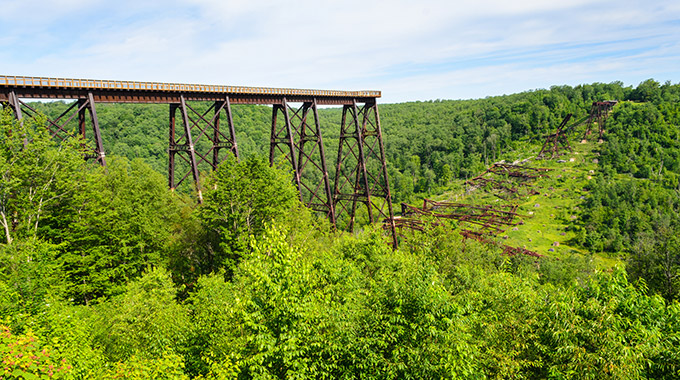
22 81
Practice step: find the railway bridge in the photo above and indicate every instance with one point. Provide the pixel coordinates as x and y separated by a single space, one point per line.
360 171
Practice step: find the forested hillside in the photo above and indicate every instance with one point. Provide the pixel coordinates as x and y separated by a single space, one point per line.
105 273
427 144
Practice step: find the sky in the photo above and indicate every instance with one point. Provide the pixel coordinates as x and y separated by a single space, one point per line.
410 50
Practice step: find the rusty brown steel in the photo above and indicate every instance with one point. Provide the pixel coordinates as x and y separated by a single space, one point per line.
282 140
207 127
556 141
14 103
497 179
220 140
99 146
182 145
153 92
486 216
316 194
599 112
59 127
361 173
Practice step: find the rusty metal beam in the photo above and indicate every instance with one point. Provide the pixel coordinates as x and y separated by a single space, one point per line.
165 93
361 173
162 98
491 218
316 194
100 156
188 90
220 140
556 141
181 146
599 112
14 103
282 141
59 127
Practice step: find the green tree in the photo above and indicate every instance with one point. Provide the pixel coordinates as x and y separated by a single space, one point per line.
145 321
240 200
264 323
36 174
116 226
31 273
655 258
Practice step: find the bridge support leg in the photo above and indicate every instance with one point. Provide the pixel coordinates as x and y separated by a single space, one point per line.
185 145
316 196
598 113
282 141
361 171
299 140
59 129
220 140
172 148
99 154
182 144
589 123
15 105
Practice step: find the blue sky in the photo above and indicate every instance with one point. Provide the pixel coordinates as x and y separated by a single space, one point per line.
410 50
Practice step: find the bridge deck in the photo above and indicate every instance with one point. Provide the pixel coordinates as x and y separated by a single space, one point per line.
112 91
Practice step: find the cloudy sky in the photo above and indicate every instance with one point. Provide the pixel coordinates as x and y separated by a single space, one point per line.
410 50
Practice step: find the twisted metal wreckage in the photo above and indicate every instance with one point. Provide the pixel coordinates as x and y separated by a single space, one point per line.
490 219
559 140
504 181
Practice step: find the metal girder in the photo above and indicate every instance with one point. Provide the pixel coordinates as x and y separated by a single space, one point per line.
507 179
490 218
161 97
15 105
415 219
361 171
190 145
299 140
60 127
599 112
131 89
556 141
100 156
220 140
282 140
182 145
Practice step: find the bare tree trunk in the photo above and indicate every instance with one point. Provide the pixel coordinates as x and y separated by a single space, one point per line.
5 225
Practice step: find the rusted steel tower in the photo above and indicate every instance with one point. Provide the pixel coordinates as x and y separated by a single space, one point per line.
361 172
60 128
183 144
199 142
599 112
296 134
556 141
